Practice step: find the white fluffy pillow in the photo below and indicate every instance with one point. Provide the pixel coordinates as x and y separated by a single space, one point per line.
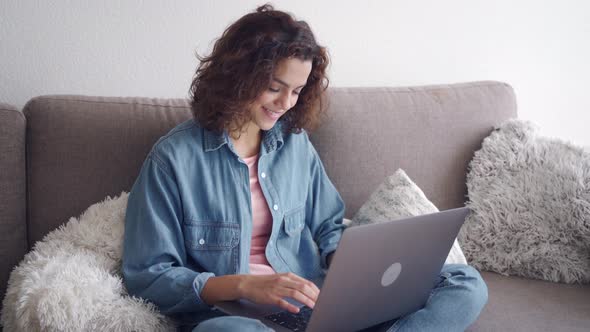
399 197
530 202
71 280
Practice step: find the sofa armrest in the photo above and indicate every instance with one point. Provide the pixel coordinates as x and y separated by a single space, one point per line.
13 239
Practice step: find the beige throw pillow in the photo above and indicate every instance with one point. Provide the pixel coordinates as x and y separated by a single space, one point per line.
399 197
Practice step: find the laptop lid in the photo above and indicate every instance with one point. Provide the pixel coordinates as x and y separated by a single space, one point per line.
384 271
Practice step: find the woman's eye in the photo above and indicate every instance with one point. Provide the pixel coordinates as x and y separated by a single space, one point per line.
273 90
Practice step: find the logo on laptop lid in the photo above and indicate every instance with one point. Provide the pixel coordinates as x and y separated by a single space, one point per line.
391 274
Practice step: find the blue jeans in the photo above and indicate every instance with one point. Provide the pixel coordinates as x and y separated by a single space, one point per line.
454 303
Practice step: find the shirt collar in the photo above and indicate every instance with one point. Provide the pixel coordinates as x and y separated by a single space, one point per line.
214 140
272 139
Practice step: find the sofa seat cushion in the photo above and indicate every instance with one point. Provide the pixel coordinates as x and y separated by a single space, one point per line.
518 304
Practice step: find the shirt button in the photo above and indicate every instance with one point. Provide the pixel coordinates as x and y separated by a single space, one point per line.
263 175
202 241
275 207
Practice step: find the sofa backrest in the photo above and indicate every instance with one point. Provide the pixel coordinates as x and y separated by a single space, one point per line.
431 132
81 149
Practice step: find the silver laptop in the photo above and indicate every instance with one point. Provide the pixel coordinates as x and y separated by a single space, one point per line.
379 272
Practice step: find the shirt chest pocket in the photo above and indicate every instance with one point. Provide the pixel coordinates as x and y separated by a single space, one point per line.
294 222
295 243
212 236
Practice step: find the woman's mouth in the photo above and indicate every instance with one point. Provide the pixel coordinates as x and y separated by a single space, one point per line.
272 114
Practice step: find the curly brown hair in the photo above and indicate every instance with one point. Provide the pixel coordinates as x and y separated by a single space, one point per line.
241 66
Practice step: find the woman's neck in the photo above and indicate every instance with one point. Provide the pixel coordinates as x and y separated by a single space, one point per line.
247 142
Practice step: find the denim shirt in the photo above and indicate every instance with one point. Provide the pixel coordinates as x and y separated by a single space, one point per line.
189 214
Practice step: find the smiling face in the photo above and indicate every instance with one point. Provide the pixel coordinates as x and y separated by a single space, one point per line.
289 78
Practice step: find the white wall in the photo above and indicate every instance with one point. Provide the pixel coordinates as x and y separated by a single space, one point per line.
146 48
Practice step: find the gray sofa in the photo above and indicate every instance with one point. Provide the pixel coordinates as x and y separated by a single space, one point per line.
80 149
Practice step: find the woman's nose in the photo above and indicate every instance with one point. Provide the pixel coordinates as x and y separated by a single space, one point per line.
285 101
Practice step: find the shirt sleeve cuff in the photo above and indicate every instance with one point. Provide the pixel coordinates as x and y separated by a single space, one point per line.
325 254
198 284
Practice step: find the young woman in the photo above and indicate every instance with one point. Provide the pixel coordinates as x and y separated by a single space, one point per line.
235 203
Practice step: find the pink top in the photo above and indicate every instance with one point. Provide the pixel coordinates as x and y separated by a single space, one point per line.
261 222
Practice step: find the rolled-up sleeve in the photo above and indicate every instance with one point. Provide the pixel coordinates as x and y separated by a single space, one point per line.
325 209
154 254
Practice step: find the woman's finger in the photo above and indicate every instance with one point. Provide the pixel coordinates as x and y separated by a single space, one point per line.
307 282
303 285
298 296
285 305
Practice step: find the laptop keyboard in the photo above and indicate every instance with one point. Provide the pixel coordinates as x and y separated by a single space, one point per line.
294 322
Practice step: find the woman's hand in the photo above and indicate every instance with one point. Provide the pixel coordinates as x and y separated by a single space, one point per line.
272 289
